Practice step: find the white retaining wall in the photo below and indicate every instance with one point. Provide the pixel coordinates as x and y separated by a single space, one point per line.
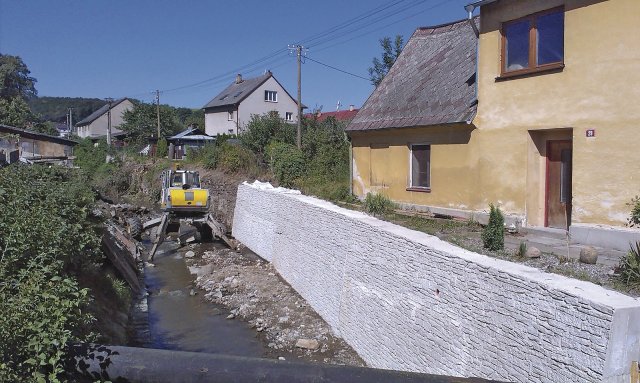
405 300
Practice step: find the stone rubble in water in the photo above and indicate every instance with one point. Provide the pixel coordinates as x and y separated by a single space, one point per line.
255 293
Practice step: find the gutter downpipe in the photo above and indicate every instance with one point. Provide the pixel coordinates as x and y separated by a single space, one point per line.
470 8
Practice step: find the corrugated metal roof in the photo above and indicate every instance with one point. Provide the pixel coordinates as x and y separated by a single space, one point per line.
94 116
432 82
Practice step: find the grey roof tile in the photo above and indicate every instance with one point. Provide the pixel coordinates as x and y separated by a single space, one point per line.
429 83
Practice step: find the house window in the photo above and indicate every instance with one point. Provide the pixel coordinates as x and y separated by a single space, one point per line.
271 96
230 115
421 166
288 116
533 43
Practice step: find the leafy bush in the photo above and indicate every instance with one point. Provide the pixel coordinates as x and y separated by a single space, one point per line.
287 162
493 233
261 130
634 219
162 149
378 204
629 266
236 158
46 241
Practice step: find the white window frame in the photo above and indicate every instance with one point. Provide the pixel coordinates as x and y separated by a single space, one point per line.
271 96
410 186
288 116
230 115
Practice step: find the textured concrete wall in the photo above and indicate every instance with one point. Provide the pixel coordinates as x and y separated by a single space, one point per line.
406 300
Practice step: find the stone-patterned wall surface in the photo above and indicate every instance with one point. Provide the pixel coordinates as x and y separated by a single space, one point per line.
405 300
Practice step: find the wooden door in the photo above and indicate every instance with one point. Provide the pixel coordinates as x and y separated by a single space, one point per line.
558 195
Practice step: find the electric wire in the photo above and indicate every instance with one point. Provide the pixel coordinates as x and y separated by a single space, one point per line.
383 12
338 69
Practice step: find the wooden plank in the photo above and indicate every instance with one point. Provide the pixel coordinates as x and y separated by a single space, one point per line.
161 235
152 223
220 231
121 258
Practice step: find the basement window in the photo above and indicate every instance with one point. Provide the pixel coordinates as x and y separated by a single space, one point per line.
533 43
420 167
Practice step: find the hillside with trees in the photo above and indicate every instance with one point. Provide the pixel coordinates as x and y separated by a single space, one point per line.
55 109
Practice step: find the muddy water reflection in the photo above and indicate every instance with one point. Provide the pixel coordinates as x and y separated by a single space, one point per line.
179 320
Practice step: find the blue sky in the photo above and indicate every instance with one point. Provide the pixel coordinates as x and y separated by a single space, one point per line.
117 48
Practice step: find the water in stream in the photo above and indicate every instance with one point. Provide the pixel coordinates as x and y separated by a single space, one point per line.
178 320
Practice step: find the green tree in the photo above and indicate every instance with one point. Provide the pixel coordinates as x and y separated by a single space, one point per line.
493 233
390 52
263 129
141 122
14 79
16 87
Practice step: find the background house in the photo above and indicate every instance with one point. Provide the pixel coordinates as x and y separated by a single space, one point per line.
17 144
340 115
229 111
191 138
96 124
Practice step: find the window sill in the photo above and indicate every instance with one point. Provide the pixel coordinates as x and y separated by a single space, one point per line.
270 101
419 189
549 68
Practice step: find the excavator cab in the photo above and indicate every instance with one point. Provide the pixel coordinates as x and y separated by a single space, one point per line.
182 193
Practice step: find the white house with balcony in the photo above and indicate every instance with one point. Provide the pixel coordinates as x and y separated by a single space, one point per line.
231 110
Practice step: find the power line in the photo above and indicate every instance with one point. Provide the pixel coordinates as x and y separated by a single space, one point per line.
338 69
383 12
384 26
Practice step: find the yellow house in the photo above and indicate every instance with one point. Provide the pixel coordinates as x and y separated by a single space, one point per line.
552 137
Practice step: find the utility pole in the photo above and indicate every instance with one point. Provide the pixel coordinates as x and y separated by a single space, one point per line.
158 110
70 120
299 51
109 100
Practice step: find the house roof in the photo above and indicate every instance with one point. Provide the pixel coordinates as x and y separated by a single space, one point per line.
94 116
236 92
191 134
341 115
431 83
36 135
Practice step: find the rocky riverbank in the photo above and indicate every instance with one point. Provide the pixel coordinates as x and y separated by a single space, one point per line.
254 293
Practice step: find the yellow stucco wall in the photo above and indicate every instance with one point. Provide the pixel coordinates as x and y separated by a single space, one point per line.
503 159
381 164
598 89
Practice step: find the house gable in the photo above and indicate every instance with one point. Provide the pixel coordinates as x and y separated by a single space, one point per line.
231 109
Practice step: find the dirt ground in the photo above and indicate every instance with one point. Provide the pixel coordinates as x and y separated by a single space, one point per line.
253 292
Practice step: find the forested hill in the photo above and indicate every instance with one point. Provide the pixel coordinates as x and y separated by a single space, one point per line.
56 108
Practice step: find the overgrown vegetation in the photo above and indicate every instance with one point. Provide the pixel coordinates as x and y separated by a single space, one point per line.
630 266
522 250
493 233
377 204
46 242
634 219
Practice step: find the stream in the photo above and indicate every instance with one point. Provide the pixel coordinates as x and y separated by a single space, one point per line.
180 320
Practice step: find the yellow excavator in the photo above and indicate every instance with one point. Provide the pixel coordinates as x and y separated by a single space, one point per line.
182 194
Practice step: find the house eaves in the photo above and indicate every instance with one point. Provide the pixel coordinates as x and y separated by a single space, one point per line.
36 136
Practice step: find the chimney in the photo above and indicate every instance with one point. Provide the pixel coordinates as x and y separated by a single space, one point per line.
351 108
238 78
